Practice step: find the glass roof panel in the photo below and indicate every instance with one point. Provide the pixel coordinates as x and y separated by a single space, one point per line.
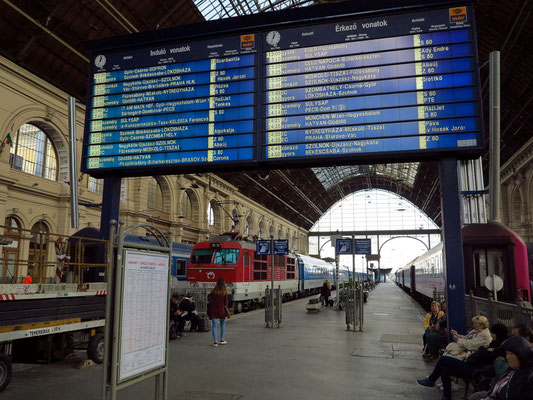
404 173
218 9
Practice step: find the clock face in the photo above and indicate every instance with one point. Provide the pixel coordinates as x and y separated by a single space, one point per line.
99 61
273 38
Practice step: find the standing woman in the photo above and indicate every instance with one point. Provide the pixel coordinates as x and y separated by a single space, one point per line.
218 311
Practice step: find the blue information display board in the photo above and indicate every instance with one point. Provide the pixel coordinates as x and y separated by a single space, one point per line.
398 85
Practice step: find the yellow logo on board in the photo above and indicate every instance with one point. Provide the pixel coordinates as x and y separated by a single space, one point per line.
247 41
458 14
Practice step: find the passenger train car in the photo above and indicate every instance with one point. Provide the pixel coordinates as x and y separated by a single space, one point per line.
488 249
247 274
93 254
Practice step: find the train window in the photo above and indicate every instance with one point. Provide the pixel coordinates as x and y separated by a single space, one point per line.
487 262
246 259
202 256
226 256
180 267
291 268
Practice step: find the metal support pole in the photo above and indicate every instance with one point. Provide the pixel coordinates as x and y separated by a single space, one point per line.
73 164
272 281
116 313
494 143
353 262
108 342
110 203
379 262
453 246
337 308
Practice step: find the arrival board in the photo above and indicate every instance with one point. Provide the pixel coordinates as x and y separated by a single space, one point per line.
400 84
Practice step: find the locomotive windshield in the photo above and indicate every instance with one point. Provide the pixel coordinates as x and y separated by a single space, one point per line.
226 256
221 256
202 256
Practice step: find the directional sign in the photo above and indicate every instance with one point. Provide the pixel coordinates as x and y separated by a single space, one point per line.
344 246
262 247
363 246
281 247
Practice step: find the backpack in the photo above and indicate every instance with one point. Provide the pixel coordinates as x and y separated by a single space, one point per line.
173 334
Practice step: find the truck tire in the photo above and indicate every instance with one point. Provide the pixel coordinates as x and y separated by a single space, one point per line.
95 348
5 371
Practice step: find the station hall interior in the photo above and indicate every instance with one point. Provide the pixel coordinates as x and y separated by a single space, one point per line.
44 61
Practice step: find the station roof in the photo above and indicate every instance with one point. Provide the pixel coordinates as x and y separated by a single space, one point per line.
46 37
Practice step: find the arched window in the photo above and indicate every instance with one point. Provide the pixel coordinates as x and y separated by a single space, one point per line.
155 195
38 254
279 234
96 185
10 252
235 218
186 206
262 230
210 214
33 152
248 227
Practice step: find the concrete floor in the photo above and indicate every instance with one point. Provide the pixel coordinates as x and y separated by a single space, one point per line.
311 356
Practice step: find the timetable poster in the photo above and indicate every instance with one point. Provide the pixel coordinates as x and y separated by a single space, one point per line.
401 86
144 317
388 84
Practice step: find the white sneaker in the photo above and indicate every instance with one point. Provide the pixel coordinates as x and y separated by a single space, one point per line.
215 344
223 342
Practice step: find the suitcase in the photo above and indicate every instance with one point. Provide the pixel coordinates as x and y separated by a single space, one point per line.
204 324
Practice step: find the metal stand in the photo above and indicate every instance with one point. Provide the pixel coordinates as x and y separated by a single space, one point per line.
353 305
113 340
272 307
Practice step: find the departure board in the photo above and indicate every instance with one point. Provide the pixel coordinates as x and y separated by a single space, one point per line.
171 105
392 85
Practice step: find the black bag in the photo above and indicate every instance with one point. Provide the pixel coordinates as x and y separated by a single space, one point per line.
209 305
204 324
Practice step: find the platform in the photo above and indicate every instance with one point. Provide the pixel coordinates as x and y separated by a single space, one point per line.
311 356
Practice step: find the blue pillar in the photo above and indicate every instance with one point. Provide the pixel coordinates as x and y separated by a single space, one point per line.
110 204
453 245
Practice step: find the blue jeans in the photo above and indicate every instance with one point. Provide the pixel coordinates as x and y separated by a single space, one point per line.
215 322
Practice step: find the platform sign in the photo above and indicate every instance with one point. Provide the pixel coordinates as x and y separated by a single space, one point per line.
262 247
344 246
362 246
397 85
281 247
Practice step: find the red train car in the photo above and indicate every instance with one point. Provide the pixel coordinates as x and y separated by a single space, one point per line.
247 275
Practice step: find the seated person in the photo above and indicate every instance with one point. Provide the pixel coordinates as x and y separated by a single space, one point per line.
187 312
517 382
432 334
463 345
449 366
174 315
524 331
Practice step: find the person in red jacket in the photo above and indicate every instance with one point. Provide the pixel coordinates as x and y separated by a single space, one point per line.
218 311
28 280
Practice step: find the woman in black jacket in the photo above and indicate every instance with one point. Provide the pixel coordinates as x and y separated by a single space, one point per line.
517 382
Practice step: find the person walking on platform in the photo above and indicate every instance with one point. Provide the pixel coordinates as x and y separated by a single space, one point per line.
218 311
325 292
432 334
